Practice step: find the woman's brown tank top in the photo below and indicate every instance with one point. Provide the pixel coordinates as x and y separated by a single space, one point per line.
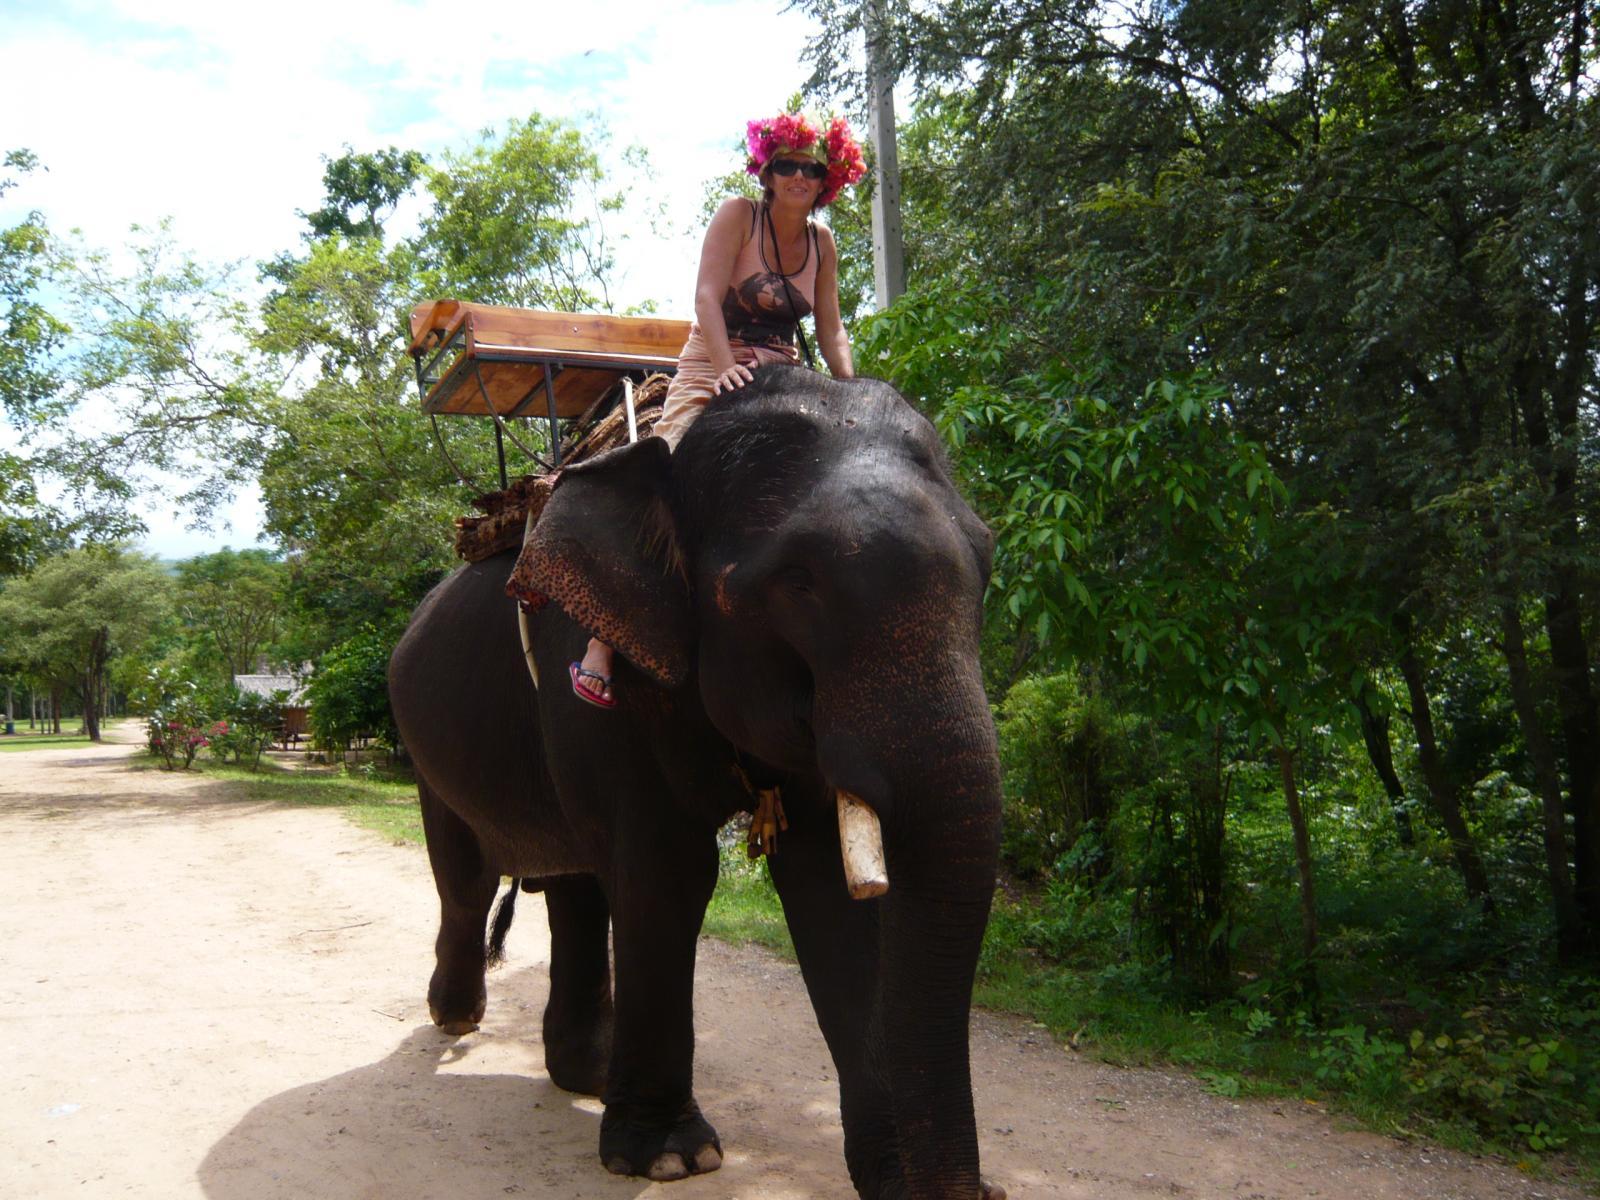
758 309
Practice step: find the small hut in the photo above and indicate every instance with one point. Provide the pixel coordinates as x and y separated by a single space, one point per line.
295 708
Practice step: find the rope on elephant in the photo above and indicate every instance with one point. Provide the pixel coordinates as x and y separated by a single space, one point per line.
766 820
507 514
765 823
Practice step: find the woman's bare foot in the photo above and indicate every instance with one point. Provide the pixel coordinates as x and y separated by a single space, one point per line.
596 677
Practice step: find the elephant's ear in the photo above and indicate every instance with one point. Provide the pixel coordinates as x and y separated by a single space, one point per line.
604 549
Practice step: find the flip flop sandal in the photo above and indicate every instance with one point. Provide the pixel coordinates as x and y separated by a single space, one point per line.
586 693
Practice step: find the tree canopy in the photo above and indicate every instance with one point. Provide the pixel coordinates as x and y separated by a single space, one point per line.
1358 245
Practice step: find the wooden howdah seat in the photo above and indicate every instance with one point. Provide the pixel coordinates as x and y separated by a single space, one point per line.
596 380
486 360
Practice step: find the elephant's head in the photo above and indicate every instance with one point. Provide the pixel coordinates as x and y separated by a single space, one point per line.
806 560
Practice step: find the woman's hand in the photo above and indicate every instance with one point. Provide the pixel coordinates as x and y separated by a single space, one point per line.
731 380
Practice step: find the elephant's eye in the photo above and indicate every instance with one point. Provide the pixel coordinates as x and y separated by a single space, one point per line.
794 581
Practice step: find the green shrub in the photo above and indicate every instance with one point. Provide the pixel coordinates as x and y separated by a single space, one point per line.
248 726
178 715
349 693
1350 1058
1063 761
1537 1089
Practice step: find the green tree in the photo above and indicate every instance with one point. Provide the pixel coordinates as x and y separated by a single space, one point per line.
29 333
354 488
1378 224
233 603
349 694
76 611
30 336
167 345
363 190
518 220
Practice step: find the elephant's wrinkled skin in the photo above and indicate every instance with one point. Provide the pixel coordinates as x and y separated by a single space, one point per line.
800 581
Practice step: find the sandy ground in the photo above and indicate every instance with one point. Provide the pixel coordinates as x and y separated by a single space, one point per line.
206 998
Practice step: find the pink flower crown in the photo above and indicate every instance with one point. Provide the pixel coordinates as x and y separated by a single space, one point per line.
834 147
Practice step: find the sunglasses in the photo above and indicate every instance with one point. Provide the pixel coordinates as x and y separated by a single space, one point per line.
788 166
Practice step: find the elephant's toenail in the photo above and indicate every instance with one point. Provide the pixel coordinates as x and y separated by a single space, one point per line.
458 1028
990 1190
619 1166
668 1167
707 1158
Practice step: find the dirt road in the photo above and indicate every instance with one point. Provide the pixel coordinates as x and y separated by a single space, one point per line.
209 998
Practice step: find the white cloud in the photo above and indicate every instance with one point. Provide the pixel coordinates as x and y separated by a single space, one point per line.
219 116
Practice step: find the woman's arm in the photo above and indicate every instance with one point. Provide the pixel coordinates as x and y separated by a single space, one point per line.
832 340
725 237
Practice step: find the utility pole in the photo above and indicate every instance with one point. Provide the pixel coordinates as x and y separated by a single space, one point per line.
888 243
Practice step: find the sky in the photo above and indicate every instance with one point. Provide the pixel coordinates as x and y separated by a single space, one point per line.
220 116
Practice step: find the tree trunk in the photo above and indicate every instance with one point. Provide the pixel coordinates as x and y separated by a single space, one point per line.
1208 821
92 681
1525 696
91 704
1375 733
1555 462
1302 862
55 708
1441 793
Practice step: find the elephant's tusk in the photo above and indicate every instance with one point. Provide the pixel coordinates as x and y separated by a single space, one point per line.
861 844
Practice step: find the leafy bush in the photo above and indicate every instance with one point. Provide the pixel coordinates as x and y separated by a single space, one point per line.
177 709
349 694
249 724
1062 759
1350 1058
1536 1089
176 738
1069 923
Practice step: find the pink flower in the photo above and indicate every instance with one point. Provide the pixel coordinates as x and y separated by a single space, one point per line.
834 145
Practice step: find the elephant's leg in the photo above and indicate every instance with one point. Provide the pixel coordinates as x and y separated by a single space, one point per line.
466 885
662 876
578 1016
836 941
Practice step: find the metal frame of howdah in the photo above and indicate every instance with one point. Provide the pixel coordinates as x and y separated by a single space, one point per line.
486 360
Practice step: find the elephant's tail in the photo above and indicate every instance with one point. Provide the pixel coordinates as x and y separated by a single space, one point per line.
500 924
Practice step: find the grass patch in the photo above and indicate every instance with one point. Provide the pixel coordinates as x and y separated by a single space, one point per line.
745 910
372 798
41 741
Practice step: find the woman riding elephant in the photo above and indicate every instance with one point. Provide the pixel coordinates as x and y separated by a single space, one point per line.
747 307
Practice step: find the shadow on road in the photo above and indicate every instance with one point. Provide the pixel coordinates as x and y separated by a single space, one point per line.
407 1126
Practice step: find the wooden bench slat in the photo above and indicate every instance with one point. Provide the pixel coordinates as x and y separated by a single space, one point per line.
511 346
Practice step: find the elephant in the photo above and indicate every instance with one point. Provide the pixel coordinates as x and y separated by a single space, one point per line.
795 595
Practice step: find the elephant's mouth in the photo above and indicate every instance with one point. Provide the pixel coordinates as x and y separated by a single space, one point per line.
860 832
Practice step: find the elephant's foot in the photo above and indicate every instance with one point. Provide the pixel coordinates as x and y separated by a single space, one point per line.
577 1056
456 1008
662 1150
894 1187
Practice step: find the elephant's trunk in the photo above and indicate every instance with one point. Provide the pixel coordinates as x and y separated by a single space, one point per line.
936 787
930 948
